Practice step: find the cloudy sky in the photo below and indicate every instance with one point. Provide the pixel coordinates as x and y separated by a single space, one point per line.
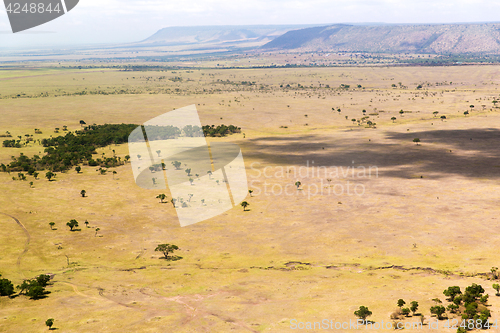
114 21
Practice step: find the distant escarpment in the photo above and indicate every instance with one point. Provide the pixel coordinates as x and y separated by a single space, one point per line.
481 38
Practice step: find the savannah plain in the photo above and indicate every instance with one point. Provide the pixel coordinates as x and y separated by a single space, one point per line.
426 220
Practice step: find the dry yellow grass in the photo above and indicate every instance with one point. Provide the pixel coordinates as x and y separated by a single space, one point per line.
234 274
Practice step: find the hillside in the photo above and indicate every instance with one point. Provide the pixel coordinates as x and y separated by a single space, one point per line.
428 38
200 35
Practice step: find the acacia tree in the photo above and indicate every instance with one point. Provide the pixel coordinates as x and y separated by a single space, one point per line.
83 192
362 313
50 322
166 249
176 164
297 183
72 224
496 286
161 197
78 169
401 302
244 204
414 307
52 224
393 119
438 310
96 230
452 292
49 175
6 287
417 141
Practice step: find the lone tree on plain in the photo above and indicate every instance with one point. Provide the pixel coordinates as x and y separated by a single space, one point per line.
435 113
176 164
417 141
158 152
362 313
114 173
494 272
166 249
86 223
496 286
250 192
49 175
78 169
297 183
50 322
393 119
96 230
72 224
82 123
52 224
245 204
161 197
83 192
401 302
443 118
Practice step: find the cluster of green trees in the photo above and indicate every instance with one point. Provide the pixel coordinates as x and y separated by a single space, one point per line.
406 311
64 152
157 133
171 132
221 130
12 143
34 288
471 304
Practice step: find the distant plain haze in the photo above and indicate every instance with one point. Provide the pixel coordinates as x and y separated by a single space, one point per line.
128 21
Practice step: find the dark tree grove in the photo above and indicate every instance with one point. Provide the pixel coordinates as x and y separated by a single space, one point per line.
68 151
65 152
